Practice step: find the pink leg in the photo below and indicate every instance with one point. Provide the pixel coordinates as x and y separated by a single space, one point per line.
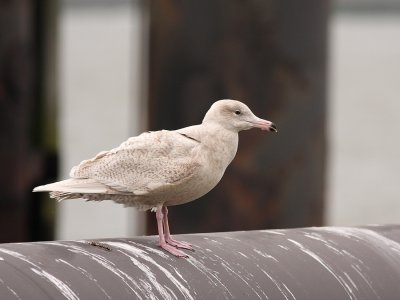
162 242
167 234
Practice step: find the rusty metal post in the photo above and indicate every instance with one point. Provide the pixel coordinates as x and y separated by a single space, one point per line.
271 55
307 263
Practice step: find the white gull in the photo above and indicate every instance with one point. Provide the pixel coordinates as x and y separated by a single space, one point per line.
163 168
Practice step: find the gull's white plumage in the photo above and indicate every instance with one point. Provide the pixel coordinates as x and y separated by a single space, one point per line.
163 168
145 171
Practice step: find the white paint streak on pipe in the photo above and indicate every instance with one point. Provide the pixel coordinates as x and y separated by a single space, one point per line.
366 280
140 253
86 274
328 243
334 249
276 283
11 290
210 274
273 232
152 278
265 255
315 236
59 284
345 286
232 238
216 242
262 290
108 265
355 258
370 236
62 287
228 268
290 292
18 256
350 280
179 274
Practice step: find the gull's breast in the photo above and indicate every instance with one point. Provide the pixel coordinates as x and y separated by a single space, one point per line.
213 162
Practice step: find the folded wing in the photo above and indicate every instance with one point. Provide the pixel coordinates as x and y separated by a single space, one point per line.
143 163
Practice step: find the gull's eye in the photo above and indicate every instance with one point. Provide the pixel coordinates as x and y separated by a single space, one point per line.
237 112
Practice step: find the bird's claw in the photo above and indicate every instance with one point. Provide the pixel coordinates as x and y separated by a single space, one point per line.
179 244
174 251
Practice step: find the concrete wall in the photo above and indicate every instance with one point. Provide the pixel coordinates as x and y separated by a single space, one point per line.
100 92
363 173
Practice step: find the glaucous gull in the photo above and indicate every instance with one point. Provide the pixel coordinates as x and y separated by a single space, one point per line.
163 168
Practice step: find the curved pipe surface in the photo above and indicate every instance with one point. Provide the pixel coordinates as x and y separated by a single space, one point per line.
304 263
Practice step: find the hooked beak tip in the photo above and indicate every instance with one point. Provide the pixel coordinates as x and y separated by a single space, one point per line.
266 125
273 128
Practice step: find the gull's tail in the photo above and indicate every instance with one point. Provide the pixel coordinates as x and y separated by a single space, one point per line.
89 190
74 185
73 188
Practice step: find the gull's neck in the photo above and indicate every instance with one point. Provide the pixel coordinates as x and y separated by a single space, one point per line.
220 143
217 145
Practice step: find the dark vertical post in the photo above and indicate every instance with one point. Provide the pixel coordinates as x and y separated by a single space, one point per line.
41 207
272 56
22 98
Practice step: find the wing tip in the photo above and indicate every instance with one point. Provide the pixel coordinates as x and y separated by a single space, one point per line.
38 189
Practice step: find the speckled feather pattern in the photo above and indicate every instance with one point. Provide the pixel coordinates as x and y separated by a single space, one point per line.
161 167
142 163
154 168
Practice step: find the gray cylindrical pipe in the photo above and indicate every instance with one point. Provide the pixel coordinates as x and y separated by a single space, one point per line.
309 263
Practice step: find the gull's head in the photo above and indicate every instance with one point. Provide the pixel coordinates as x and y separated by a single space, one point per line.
236 116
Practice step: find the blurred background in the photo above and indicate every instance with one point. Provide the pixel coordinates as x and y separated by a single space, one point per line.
81 76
